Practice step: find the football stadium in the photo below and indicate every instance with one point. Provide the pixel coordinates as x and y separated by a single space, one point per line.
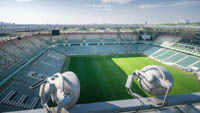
95 68
101 60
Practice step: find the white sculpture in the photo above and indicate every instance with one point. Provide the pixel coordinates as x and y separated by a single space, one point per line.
64 89
153 79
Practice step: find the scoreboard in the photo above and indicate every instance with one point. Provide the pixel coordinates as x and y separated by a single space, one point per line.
55 32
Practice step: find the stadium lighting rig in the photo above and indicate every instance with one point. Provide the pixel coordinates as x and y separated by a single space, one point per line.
153 79
64 89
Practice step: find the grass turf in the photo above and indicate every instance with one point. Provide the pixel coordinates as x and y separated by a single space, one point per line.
103 78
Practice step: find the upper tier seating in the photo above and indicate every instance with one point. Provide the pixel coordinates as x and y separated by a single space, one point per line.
189 45
167 40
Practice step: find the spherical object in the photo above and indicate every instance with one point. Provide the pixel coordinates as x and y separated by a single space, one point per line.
71 87
64 89
155 80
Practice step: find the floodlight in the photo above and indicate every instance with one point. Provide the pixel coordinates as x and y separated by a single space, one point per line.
154 80
64 89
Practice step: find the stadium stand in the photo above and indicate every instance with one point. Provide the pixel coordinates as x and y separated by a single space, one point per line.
190 45
128 37
47 64
85 50
187 61
120 48
151 50
166 55
103 49
167 40
70 49
92 38
197 65
109 37
16 96
75 38
175 58
159 52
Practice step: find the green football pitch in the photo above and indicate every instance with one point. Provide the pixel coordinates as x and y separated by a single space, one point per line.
103 78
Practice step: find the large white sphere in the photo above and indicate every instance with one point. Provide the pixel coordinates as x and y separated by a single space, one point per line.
71 87
157 81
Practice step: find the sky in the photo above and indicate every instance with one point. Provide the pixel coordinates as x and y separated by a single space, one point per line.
98 11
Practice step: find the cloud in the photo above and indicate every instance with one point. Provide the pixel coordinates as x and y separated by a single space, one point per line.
185 3
176 4
23 0
116 1
100 7
150 6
